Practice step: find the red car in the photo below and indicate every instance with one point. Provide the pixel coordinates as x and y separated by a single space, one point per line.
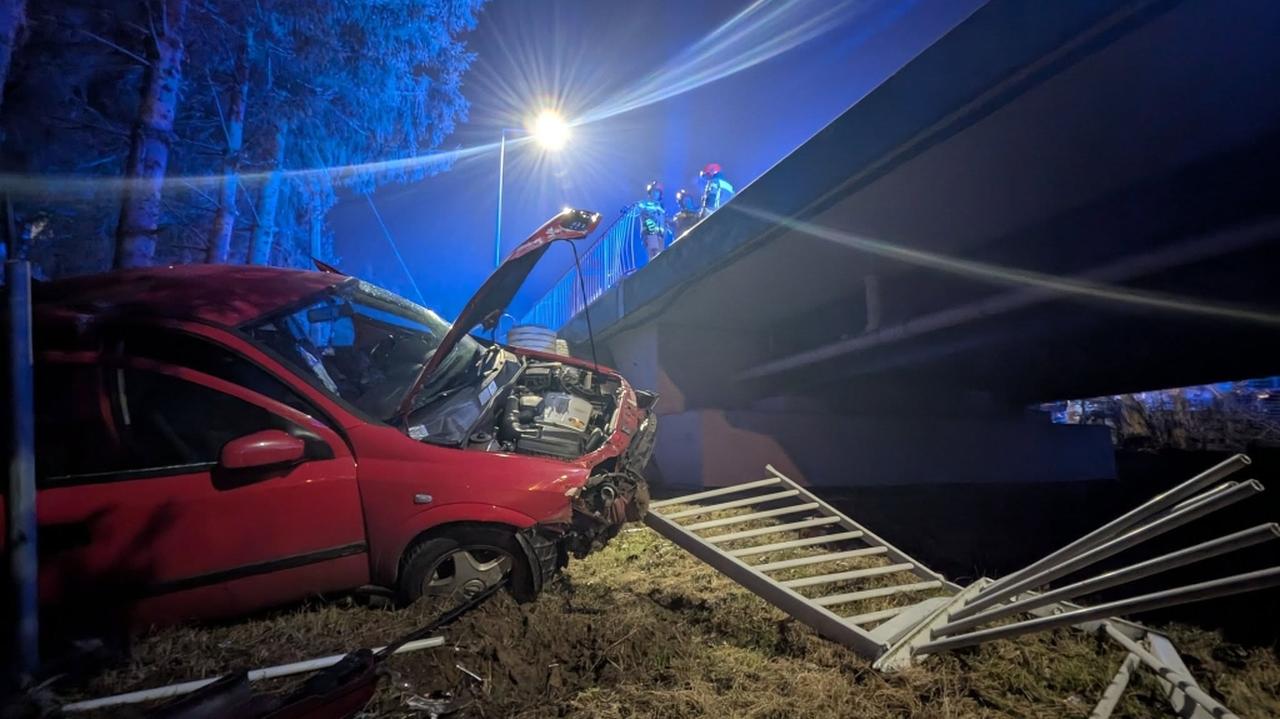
216 439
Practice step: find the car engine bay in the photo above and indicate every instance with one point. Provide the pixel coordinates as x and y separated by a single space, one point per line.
556 410
552 410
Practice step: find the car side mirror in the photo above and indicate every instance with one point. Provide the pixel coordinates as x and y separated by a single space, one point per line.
268 448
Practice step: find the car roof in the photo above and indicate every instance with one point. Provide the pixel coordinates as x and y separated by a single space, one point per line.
227 295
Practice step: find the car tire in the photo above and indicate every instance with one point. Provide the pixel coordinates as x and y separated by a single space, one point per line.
466 554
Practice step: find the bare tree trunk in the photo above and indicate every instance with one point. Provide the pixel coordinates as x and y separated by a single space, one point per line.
149 153
12 15
264 232
224 221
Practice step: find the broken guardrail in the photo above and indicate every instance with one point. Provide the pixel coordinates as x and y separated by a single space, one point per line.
789 527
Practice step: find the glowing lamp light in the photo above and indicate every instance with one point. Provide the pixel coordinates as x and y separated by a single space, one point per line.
550 130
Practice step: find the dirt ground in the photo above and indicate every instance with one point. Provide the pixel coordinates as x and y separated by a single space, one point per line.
642 629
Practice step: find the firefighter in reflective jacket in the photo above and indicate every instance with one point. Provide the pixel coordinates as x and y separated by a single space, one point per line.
653 220
716 191
688 212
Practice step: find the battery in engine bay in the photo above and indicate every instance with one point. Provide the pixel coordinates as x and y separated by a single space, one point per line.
566 410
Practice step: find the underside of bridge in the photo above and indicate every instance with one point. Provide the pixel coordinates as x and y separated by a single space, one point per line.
1055 200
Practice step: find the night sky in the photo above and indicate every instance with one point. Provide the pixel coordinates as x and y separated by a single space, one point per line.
581 57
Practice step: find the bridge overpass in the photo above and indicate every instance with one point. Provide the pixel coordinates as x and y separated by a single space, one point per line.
1055 200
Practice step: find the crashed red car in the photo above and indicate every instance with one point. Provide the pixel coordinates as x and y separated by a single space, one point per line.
216 439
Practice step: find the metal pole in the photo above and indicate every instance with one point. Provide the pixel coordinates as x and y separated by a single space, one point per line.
742 518
1137 514
1182 557
1209 495
871 287
1171 675
1163 649
710 493
732 504
1226 586
279 670
1200 498
10 231
1111 695
21 499
497 229
1211 503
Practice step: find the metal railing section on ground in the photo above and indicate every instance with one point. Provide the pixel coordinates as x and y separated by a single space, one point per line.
792 528
612 257
803 531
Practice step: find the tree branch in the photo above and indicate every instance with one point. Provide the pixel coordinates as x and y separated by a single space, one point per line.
95 163
151 24
74 124
145 62
213 14
222 120
200 192
248 200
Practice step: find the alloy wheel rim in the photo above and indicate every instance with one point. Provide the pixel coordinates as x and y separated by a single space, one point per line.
466 572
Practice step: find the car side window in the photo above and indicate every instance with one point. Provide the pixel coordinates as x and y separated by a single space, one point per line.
74 433
97 423
186 350
169 422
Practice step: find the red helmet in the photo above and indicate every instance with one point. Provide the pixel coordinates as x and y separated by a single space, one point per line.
711 169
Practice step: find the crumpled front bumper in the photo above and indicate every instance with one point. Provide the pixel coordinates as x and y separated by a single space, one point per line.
632 463
597 517
640 451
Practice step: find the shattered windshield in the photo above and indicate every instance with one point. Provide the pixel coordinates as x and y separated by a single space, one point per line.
365 345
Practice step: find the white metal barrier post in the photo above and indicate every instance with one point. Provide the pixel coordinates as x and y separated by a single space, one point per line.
21 498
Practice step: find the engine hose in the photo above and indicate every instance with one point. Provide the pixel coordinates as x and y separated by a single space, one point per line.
576 387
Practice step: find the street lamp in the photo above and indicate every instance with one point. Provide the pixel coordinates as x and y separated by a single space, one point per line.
549 130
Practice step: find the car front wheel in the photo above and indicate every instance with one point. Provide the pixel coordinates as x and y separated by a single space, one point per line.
462 562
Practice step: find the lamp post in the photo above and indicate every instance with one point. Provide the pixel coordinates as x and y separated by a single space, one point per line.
551 132
497 224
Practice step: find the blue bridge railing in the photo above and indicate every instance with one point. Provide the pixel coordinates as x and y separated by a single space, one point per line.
612 257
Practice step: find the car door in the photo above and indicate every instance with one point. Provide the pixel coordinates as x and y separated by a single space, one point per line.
137 510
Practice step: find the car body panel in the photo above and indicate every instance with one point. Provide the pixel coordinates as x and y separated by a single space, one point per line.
143 537
238 596
189 292
518 490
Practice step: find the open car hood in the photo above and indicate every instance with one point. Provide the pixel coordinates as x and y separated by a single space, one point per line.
489 302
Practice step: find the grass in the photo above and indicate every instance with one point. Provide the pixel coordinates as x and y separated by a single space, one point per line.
642 629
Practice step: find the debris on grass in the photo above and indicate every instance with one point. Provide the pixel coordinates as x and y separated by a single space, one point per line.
642 629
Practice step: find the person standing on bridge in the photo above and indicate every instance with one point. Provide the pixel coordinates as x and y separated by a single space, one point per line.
688 212
653 220
716 191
